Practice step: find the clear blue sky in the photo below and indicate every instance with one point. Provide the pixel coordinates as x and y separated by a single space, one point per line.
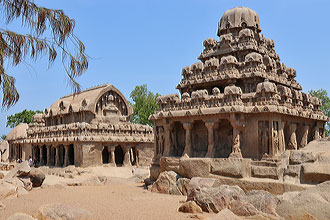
149 41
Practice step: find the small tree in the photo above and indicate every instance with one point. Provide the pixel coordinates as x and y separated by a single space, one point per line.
323 95
3 137
22 117
144 105
50 32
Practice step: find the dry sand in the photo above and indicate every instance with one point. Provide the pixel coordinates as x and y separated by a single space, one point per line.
121 199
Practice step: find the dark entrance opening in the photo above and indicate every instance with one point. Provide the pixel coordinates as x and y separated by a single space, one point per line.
199 139
52 156
105 155
44 154
37 155
179 138
71 154
62 155
223 139
119 156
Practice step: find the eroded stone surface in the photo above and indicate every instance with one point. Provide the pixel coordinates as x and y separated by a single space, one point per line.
63 212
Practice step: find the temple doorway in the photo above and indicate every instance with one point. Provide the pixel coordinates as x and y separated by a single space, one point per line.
199 139
179 138
119 155
223 136
105 155
44 154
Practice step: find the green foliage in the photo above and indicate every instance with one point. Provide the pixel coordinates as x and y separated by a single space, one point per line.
144 105
50 32
323 95
22 117
3 137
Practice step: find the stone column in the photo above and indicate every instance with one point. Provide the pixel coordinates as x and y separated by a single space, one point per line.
127 161
210 125
188 148
316 133
112 159
48 155
167 142
236 148
41 156
57 156
66 155
304 139
293 138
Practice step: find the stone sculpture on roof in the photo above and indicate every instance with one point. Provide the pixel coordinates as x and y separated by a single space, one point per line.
88 128
239 101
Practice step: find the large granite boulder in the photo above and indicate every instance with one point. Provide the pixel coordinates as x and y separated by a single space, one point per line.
311 204
20 170
166 183
63 212
217 198
37 177
262 201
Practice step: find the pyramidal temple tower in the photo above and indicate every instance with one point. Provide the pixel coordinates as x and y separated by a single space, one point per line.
239 101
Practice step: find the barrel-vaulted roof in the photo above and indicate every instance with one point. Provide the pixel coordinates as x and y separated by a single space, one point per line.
84 101
19 132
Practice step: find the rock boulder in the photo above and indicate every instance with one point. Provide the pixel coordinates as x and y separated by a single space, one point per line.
37 177
166 183
190 207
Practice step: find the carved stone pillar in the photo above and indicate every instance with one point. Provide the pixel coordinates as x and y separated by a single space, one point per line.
66 155
304 139
112 159
236 148
281 137
188 148
210 125
167 142
293 138
127 161
41 156
57 156
316 133
48 155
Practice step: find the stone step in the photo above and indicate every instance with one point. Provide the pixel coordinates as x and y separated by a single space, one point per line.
264 172
264 163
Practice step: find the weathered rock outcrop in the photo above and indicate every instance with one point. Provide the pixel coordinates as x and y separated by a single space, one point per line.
312 203
166 183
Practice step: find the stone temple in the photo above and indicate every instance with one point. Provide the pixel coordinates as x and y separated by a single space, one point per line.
239 101
88 128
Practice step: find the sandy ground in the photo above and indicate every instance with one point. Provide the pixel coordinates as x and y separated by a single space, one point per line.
120 199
